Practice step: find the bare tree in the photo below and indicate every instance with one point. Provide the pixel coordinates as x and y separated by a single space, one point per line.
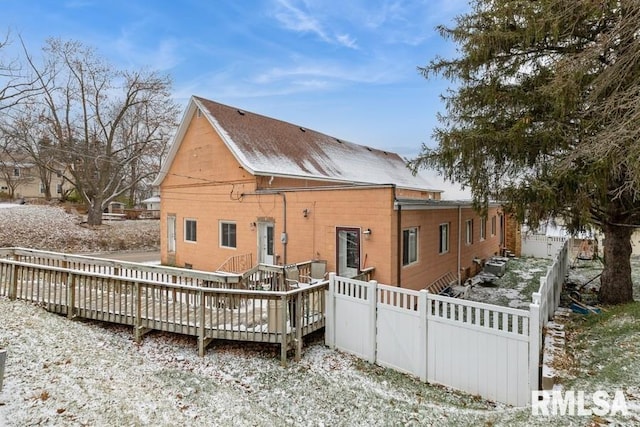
14 86
102 121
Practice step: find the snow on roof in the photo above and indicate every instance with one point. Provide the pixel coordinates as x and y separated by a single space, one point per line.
152 199
270 147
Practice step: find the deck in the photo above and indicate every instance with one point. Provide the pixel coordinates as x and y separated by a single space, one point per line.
206 305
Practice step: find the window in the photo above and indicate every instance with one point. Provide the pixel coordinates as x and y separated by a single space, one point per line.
59 188
409 245
469 231
190 226
444 238
493 225
483 228
41 188
228 234
16 171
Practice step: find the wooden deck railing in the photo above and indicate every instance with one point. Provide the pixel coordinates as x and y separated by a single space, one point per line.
237 263
206 305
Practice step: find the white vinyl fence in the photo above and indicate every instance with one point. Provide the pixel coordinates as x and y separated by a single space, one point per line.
540 245
482 349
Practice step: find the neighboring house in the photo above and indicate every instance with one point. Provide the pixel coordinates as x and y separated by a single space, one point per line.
152 207
21 179
238 184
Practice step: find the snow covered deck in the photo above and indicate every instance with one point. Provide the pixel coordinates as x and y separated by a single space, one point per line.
206 305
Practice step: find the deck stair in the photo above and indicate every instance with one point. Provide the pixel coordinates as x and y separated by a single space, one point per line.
443 284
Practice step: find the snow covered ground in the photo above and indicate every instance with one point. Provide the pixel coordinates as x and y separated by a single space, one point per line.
61 372
52 228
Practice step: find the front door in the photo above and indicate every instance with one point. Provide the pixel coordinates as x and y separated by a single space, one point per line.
265 243
348 254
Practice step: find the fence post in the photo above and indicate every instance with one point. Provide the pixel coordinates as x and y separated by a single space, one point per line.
423 301
330 316
373 302
535 337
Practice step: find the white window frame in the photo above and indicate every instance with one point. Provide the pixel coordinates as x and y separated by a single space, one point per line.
493 225
187 232
444 236
412 246
468 227
222 234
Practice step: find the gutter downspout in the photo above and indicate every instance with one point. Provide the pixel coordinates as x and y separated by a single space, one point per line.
284 238
398 240
459 239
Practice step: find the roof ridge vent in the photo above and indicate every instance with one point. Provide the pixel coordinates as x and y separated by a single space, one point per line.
339 141
240 112
302 129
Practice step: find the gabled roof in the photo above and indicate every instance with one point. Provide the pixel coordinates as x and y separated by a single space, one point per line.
269 147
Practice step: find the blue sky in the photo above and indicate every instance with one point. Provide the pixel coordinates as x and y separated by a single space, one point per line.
345 68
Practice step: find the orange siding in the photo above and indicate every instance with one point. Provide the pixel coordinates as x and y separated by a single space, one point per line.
206 183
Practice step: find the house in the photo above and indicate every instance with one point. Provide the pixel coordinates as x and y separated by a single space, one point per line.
21 178
238 184
152 207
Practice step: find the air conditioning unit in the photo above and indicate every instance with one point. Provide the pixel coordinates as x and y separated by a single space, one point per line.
496 267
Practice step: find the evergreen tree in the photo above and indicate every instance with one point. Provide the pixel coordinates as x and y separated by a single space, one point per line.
545 117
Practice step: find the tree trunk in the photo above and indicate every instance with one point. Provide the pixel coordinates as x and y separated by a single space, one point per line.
94 213
616 285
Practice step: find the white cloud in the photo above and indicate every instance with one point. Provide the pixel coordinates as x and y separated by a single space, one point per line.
296 19
347 41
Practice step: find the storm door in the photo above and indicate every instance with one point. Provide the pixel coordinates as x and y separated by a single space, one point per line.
348 251
171 234
265 243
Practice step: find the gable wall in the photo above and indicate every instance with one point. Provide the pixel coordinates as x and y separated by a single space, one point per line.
203 157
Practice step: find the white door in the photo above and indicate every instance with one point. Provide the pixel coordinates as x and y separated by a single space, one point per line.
265 243
171 234
348 256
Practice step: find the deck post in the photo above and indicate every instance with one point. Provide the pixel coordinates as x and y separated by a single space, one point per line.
202 344
71 294
138 314
284 333
13 280
299 308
